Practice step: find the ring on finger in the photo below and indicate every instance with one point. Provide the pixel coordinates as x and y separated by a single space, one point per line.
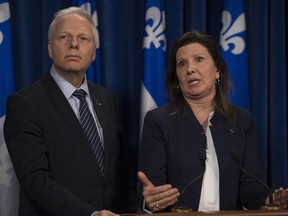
158 206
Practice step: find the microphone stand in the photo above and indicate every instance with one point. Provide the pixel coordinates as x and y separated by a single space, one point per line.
271 206
181 207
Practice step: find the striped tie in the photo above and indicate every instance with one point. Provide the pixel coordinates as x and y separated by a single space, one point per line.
90 129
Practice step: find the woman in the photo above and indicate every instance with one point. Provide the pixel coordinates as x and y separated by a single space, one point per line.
192 149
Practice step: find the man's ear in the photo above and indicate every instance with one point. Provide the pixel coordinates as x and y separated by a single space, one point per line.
50 50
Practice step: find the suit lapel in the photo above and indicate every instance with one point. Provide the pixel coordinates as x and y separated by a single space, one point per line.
60 102
58 99
101 112
98 105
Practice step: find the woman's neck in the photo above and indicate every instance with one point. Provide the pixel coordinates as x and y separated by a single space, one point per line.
201 110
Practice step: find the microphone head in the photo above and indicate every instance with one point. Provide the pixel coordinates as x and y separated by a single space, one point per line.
202 154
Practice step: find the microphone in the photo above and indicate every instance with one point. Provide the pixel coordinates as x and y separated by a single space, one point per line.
271 206
181 207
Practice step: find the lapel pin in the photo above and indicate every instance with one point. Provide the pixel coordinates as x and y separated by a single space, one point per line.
98 103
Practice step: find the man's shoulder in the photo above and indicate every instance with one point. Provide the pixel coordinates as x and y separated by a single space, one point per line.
99 89
31 88
36 90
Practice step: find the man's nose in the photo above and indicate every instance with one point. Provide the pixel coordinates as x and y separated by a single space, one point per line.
74 43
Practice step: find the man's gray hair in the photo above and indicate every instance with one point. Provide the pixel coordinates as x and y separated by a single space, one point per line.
68 11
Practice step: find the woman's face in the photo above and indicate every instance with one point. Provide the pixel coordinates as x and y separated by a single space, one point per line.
196 72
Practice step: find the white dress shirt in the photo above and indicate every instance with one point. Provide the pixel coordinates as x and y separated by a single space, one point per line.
209 198
68 89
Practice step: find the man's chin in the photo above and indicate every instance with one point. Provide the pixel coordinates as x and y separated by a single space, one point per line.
74 68
71 70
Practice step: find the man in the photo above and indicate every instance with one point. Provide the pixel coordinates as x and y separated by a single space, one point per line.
47 139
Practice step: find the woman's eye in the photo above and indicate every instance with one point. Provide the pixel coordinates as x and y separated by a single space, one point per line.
181 64
199 59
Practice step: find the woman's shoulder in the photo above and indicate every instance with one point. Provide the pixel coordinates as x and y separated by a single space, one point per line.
242 112
164 110
162 116
244 117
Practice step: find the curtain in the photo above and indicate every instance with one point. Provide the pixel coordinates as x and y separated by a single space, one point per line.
121 32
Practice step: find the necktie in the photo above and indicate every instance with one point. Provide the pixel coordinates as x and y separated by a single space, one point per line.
89 127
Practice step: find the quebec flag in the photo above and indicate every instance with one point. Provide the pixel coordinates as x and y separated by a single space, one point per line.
234 50
9 187
154 45
93 72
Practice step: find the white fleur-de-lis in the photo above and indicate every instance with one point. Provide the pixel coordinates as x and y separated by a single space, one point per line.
4 15
5 166
94 17
155 32
229 31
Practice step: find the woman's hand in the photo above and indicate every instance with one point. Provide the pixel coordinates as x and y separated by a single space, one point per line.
159 197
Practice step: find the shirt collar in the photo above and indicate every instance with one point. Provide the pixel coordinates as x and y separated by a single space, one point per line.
66 87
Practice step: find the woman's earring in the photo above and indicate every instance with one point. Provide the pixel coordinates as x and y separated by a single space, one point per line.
178 88
217 81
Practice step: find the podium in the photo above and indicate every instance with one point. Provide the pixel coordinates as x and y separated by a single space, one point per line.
221 213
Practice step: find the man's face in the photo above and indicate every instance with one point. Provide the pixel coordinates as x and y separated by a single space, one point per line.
72 46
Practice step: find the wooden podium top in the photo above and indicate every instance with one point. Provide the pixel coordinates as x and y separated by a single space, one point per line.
222 213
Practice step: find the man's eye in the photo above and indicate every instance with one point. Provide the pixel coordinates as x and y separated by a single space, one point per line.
65 37
84 38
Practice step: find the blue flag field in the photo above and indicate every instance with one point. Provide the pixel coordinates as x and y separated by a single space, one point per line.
154 47
9 189
234 50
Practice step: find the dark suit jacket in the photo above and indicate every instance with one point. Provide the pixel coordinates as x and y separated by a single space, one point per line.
54 163
169 154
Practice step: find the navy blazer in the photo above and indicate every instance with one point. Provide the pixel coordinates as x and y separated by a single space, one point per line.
169 149
56 168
